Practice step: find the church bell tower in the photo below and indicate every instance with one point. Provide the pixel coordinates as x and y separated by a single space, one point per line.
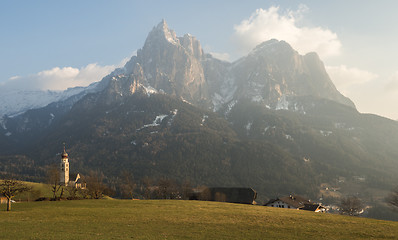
64 175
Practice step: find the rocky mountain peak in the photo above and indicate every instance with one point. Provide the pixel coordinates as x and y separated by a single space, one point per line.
191 45
274 70
273 46
177 66
162 25
160 33
170 64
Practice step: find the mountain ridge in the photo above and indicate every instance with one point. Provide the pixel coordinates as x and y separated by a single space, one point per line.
272 120
212 83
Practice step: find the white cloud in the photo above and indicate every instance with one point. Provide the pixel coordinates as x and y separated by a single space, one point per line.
60 78
269 23
370 92
345 77
392 85
221 56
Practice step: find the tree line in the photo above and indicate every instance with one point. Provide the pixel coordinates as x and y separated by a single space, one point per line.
127 187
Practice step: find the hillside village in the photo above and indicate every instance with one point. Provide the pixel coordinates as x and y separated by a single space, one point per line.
77 188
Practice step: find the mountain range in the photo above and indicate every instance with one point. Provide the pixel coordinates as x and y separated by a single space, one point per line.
272 120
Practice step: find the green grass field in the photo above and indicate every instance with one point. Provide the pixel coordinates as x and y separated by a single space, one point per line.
177 219
38 190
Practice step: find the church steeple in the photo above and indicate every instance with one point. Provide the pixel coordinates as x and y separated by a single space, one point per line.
64 174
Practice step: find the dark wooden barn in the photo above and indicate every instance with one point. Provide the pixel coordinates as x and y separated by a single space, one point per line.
226 194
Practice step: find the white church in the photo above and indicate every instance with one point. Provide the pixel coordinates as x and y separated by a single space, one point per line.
65 178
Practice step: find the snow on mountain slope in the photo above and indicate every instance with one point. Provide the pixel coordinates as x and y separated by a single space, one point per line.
13 103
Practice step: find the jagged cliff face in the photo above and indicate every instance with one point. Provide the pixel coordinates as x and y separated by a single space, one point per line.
273 75
170 64
270 74
274 71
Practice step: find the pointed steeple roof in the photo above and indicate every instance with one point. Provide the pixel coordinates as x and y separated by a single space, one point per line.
64 154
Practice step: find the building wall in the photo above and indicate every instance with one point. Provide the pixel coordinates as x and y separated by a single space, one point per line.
233 195
64 174
280 204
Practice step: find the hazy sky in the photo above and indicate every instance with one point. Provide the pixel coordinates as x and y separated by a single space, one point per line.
60 44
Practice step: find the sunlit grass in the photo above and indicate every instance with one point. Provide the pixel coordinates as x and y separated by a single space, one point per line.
174 219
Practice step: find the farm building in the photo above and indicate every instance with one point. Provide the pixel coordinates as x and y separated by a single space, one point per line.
225 194
295 202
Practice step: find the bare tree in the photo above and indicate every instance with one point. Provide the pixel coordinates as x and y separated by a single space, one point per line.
204 193
146 184
84 192
351 206
10 188
127 185
95 184
392 199
167 189
53 178
72 190
186 189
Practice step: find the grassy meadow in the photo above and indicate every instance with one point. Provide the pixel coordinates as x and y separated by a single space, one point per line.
177 219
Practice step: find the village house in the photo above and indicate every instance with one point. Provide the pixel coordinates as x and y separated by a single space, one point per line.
295 202
77 182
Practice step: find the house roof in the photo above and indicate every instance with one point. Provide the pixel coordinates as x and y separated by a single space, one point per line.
79 181
292 200
311 207
72 176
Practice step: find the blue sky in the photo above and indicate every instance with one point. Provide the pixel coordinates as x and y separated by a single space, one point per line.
60 44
